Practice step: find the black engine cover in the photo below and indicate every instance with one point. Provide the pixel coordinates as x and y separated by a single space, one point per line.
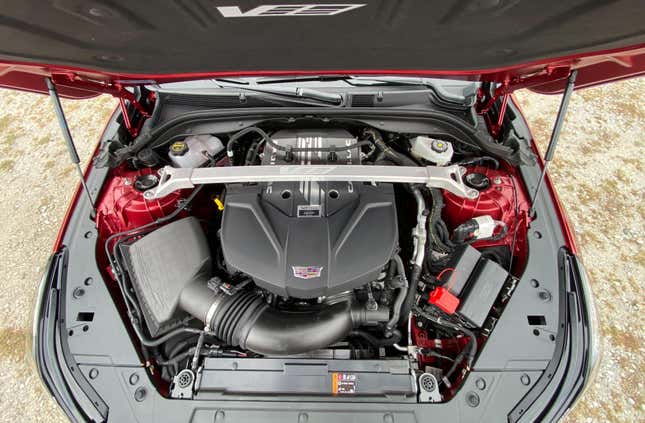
308 239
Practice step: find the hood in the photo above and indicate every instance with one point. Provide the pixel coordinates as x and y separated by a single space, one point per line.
108 44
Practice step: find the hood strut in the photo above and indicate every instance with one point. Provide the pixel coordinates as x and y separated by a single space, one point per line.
67 135
555 135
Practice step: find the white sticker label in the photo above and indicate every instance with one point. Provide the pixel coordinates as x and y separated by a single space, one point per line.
309 211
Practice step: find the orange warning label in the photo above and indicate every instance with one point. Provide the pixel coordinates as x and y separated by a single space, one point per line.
343 383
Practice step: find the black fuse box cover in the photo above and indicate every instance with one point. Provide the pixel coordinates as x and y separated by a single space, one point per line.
484 286
463 261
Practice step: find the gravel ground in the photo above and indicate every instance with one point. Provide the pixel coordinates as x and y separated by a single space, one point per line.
598 172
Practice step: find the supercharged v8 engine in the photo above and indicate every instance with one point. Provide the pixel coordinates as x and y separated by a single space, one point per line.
313 242
309 239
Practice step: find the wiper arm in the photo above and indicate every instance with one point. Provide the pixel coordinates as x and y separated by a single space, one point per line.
351 80
305 78
297 94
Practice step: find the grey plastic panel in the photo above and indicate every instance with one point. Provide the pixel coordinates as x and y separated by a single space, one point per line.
514 343
118 386
104 338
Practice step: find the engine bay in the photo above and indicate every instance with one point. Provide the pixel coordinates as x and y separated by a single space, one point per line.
353 276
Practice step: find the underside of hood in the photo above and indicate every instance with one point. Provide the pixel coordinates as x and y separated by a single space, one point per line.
133 42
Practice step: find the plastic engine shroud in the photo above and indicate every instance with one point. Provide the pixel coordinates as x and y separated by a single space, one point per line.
308 239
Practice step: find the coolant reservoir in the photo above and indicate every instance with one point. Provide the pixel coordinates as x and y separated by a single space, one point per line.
194 151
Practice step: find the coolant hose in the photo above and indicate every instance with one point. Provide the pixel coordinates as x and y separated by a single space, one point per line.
435 216
400 298
386 150
245 319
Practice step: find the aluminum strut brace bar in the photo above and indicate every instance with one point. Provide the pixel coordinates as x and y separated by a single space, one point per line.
447 177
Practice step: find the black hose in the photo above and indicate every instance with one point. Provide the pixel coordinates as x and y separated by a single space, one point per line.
400 299
479 161
376 342
154 342
205 352
435 217
415 274
386 150
245 319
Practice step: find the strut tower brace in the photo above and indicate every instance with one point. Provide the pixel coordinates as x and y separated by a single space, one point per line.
446 177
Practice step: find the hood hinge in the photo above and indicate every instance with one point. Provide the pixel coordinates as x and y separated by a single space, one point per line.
486 98
490 93
114 89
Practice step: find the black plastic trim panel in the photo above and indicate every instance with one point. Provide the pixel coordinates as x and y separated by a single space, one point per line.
57 368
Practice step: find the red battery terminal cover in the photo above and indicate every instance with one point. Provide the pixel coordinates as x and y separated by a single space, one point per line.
443 299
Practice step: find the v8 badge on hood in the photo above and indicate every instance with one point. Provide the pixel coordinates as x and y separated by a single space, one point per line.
288 10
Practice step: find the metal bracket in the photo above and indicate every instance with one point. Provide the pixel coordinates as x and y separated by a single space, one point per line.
445 177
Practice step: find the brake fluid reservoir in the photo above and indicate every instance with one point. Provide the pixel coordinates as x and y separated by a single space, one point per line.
430 149
194 151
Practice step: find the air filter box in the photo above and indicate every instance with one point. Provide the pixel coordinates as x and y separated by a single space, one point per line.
161 264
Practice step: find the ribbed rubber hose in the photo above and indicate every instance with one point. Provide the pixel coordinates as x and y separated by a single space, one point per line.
245 319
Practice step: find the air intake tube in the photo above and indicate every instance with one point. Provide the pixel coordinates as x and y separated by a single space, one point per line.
245 319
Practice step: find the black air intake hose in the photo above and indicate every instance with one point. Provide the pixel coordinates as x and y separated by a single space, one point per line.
245 319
